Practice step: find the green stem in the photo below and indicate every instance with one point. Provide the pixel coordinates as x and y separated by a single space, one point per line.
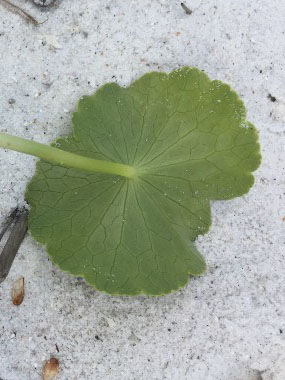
63 158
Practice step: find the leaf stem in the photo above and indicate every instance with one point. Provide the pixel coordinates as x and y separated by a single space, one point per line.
63 158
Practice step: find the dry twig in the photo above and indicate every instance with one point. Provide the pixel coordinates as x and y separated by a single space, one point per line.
21 12
13 244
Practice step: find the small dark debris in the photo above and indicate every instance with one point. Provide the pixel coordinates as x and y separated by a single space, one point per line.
281 331
169 329
97 337
11 101
44 3
272 98
187 10
56 347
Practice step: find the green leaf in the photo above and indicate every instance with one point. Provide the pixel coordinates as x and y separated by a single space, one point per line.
187 138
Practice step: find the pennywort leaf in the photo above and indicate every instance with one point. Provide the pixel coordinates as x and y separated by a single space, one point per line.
170 144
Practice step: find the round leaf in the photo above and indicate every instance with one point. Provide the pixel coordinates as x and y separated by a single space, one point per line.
189 141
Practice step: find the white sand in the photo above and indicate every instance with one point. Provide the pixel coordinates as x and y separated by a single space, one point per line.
228 324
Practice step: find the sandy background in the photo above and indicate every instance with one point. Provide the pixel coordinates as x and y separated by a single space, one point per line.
228 324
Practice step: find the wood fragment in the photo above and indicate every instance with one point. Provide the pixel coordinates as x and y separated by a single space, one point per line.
13 244
187 10
18 291
259 375
20 11
51 369
8 222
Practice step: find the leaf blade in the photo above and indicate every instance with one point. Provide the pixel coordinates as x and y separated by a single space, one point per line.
188 138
